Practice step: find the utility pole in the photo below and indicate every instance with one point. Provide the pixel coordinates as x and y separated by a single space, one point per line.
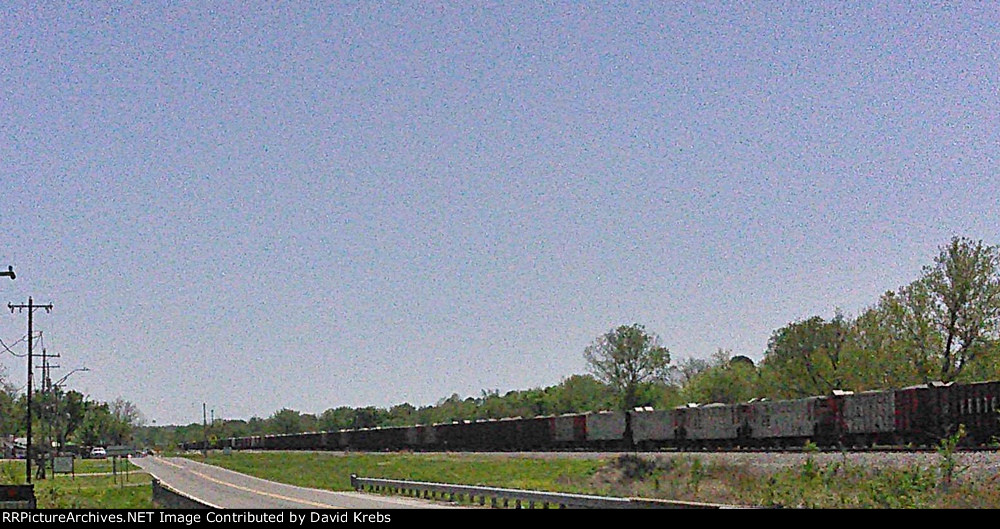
47 368
204 423
48 412
31 310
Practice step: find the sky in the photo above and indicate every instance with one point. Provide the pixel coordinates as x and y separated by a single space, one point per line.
308 205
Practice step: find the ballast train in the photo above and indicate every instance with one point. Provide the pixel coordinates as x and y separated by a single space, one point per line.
917 415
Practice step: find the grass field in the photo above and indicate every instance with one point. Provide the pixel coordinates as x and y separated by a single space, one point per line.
839 485
86 490
687 477
332 471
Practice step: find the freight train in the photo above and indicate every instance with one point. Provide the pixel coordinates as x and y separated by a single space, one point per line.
914 416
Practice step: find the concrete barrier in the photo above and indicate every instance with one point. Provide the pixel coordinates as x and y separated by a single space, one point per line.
165 497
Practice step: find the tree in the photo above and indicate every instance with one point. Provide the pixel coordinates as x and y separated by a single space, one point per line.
62 413
627 358
101 427
285 421
402 414
581 393
890 348
685 371
728 379
11 419
806 357
126 413
335 419
964 290
944 324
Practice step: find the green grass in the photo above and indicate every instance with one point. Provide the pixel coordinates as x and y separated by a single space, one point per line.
679 477
332 470
65 491
95 492
690 478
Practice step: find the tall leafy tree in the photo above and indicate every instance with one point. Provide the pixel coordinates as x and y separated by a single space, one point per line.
628 358
727 379
945 323
11 422
101 427
126 412
62 413
892 345
580 393
335 419
806 357
963 287
285 421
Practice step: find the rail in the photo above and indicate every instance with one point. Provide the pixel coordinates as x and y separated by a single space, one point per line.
499 497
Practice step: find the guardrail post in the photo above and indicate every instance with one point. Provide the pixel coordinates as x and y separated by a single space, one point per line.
354 481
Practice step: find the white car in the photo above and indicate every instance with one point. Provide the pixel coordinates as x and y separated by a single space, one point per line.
98 452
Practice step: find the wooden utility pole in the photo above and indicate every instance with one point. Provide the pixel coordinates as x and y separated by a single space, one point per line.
31 310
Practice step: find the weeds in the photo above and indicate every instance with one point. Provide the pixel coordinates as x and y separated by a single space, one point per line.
697 474
947 460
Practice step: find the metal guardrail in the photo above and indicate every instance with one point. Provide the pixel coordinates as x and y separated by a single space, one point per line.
499 497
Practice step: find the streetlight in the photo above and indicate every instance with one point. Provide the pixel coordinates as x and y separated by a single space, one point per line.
54 406
9 273
63 379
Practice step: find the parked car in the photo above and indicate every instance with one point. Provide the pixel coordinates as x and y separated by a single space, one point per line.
98 452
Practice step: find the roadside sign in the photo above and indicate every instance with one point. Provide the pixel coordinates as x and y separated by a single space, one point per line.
120 450
62 465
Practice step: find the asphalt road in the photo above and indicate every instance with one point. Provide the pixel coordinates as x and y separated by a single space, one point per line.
225 489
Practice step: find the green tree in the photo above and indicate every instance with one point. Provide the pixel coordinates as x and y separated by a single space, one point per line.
945 323
126 413
684 371
101 427
628 359
401 415
60 413
582 393
964 306
369 417
11 421
728 379
285 421
884 353
806 358
335 419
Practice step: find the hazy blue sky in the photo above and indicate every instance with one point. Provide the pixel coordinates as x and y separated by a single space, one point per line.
310 205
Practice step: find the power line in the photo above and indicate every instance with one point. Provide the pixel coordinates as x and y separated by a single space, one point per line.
9 350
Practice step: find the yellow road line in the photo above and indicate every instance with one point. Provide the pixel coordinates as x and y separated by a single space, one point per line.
254 491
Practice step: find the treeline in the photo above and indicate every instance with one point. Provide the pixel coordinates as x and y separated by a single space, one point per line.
67 418
576 393
945 326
